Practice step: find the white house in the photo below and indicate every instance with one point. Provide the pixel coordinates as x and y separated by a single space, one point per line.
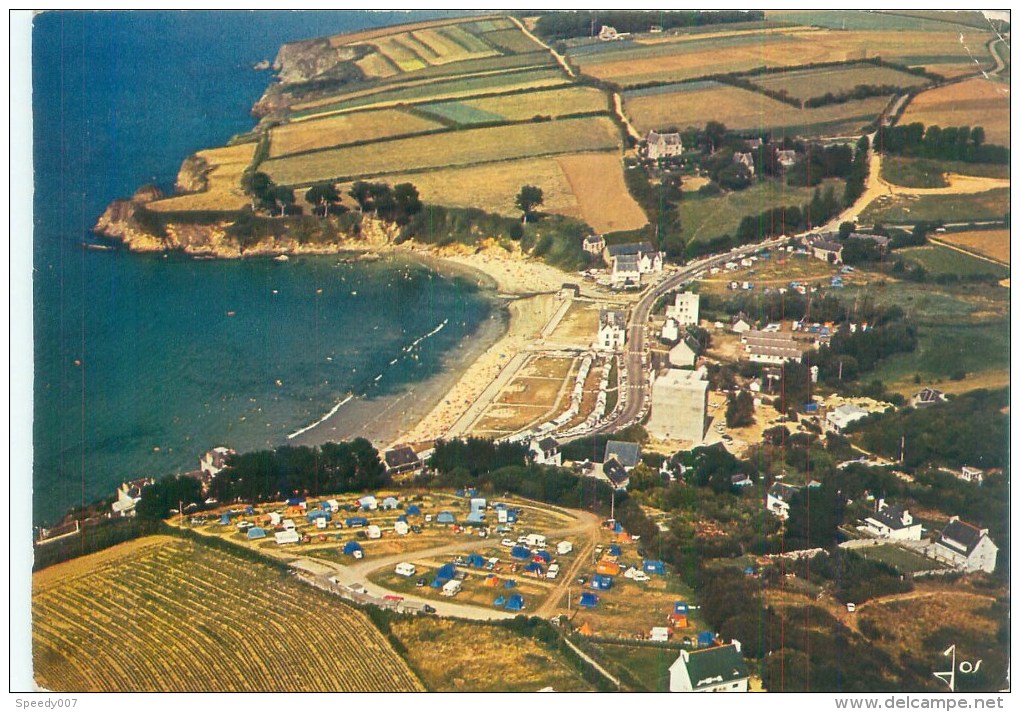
965 546
927 397
740 325
607 34
685 353
128 495
891 522
629 262
843 415
685 308
716 669
771 347
594 244
213 462
670 331
972 474
777 500
825 250
661 145
612 330
746 160
546 452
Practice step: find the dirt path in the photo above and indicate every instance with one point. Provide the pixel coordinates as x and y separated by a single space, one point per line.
552 600
559 57
618 108
969 253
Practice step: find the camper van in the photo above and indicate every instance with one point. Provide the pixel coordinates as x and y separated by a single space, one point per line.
535 541
374 532
451 588
405 570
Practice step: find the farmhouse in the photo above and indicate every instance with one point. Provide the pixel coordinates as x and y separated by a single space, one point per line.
717 669
771 347
891 522
927 397
881 241
628 262
786 158
777 500
679 405
608 34
128 495
825 250
662 145
684 309
965 547
612 330
594 244
746 160
685 353
840 417
740 325
401 460
546 452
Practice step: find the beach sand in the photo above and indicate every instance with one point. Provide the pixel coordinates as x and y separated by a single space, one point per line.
427 410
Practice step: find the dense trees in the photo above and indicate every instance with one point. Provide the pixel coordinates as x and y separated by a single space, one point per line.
740 410
324 196
476 456
820 162
561 25
398 204
953 143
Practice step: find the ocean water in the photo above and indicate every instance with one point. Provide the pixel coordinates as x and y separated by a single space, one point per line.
143 362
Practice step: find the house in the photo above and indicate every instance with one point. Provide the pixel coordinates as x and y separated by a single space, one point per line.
679 405
627 454
741 481
774 347
628 262
972 474
881 241
608 34
401 460
717 669
777 500
825 250
663 145
746 160
685 308
594 244
685 353
670 331
612 330
129 494
740 325
927 397
546 452
891 522
569 290
785 159
840 417
213 462
964 546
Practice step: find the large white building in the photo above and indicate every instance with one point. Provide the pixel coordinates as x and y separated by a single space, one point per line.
891 522
679 405
627 263
663 145
845 414
612 334
717 669
684 309
965 546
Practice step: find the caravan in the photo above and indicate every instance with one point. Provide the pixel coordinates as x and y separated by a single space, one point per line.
406 570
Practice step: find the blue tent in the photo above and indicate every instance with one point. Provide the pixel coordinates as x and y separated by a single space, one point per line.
356 522
295 501
653 566
501 601
544 556
324 505
390 503
534 568
438 583
350 547
588 600
446 571
225 518
256 533
510 583
515 603
705 639
749 571
614 550
476 517
520 552
511 515
413 510
470 492
476 560
402 518
498 506
601 583
249 509
459 493
618 528
319 514
681 608
445 518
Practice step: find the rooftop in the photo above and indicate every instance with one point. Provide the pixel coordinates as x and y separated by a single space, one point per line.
627 454
712 666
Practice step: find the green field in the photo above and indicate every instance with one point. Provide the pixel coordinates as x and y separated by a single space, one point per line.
926 173
990 205
857 20
646 664
809 83
938 260
703 218
903 560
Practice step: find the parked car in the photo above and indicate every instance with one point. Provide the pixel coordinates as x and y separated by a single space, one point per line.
508 543
416 529
427 609
420 583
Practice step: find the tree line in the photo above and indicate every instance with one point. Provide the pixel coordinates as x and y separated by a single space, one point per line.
952 143
561 25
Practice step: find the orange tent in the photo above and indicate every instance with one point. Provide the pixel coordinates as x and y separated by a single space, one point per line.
491 580
679 620
608 568
586 630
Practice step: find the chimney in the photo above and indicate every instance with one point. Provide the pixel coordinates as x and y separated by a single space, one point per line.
736 644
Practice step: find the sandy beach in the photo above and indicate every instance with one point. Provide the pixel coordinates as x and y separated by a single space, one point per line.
524 304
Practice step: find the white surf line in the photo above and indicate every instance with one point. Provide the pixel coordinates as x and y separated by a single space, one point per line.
323 419
408 349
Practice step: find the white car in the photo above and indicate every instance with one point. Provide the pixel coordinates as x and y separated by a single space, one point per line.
508 543
553 572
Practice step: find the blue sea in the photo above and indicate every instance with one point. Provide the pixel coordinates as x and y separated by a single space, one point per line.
143 362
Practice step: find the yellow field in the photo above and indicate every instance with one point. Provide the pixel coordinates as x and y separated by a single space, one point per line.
976 102
344 128
991 243
740 109
366 35
688 59
399 53
554 102
164 615
224 178
596 179
457 148
376 66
